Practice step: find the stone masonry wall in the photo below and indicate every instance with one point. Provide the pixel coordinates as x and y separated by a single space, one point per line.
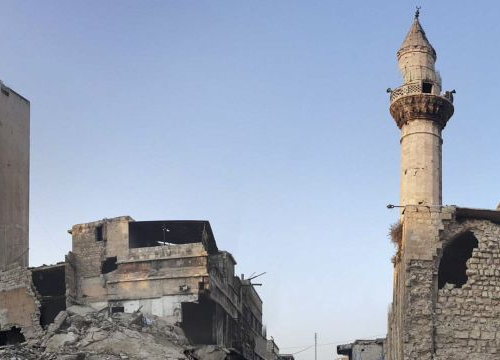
452 323
411 322
20 305
468 318
91 250
89 253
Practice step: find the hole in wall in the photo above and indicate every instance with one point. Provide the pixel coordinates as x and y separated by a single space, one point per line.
453 265
109 265
198 320
117 309
11 337
51 285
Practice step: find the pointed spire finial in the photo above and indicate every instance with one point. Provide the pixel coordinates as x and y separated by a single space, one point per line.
417 13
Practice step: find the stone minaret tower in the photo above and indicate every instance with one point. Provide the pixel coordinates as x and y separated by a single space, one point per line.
421 113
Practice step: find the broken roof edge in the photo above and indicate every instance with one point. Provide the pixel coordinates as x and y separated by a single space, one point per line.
102 221
462 213
227 253
208 241
345 349
50 266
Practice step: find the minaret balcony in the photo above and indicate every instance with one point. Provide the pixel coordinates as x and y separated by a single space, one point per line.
422 105
418 88
407 89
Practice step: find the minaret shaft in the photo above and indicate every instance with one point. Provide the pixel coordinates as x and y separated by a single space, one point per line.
421 163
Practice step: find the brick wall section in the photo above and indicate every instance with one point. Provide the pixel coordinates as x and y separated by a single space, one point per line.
468 318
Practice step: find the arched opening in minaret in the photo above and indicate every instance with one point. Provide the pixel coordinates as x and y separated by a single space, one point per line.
453 265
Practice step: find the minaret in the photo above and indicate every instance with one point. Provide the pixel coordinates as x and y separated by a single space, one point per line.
421 112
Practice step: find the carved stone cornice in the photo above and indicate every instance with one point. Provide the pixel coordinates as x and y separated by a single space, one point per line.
422 106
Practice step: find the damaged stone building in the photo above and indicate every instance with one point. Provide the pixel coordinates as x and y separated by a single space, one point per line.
363 350
446 299
171 269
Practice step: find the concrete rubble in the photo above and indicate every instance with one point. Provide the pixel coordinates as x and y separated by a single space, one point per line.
84 333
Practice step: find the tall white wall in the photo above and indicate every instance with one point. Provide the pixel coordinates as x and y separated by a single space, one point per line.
14 178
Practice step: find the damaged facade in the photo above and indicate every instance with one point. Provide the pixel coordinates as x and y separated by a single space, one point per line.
363 350
446 298
169 269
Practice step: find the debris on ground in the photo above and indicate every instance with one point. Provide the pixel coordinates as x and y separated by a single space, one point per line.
83 333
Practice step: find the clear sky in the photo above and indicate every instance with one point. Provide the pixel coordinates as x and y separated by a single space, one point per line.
267 118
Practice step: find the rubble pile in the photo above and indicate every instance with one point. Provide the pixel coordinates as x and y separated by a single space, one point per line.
83 333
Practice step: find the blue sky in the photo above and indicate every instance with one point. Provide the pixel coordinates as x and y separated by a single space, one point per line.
267 118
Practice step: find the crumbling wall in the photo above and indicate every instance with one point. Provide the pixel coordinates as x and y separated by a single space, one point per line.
468 317
70 271
252 315
222 286
93 243
159 279
171 269
89 253
20 305
116 235
448 306
363 350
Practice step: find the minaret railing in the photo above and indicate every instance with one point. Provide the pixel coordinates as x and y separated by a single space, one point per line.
415 88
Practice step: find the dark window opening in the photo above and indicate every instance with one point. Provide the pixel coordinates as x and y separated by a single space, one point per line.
159 233
198 321
109 265
453 265
426 88
117 309
50 283
99 233
11 337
